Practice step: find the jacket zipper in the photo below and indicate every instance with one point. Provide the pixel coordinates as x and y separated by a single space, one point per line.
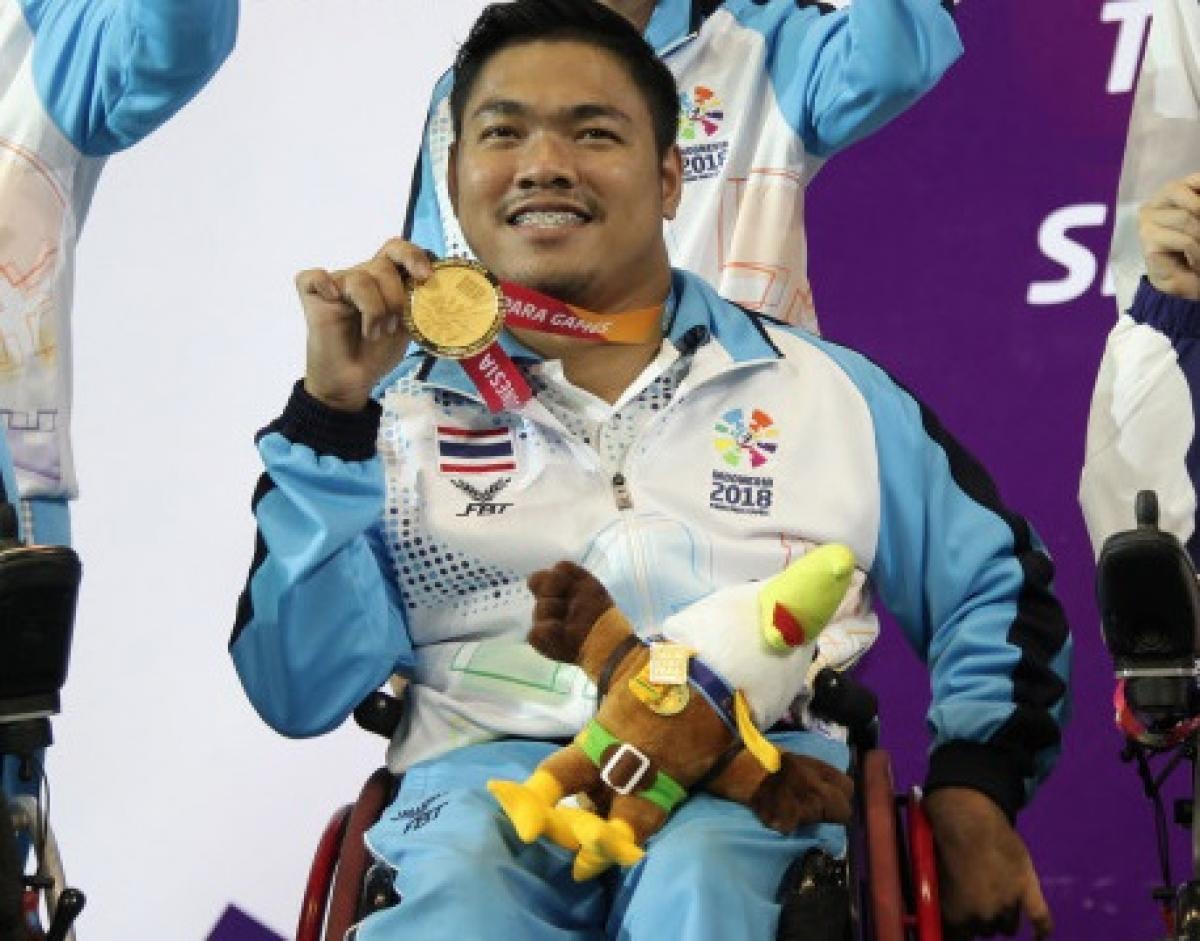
621 493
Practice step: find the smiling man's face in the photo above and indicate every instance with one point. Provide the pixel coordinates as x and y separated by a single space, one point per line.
556 179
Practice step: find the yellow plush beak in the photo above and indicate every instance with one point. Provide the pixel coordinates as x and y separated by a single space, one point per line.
796 605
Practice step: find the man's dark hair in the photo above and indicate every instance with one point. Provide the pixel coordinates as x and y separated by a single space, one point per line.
502 25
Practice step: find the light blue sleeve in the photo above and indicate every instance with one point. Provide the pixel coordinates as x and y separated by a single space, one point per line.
970 582
111 71
320 624
838 76
9 479
423 222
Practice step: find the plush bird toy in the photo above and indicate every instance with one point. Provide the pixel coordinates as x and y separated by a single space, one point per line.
681 711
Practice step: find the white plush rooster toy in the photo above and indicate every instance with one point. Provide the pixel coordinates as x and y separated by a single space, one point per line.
680 711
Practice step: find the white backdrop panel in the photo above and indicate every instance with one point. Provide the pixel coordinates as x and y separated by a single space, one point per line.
171 797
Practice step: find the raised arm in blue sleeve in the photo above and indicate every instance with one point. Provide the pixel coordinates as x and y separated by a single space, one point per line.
839 75
970 583
112 71
320 623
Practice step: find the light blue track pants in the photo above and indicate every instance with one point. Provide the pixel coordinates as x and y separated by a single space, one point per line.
463 875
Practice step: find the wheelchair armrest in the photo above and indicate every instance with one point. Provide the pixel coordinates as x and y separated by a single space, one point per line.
838 697
1148 597
380 713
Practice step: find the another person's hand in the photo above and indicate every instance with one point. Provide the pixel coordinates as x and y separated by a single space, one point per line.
1169 229
355 327
986 878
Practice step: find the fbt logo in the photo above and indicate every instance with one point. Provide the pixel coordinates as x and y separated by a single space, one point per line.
483 500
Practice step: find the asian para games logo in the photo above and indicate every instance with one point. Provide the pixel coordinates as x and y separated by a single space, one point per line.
700 117
746 440
700 110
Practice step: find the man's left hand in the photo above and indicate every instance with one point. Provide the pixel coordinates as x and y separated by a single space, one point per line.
986 878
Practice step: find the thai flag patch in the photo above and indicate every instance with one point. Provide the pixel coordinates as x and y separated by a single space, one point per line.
475 450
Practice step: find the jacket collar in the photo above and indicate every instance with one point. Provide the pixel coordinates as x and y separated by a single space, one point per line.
701 314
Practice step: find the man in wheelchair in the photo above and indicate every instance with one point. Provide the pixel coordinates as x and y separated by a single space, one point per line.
628 419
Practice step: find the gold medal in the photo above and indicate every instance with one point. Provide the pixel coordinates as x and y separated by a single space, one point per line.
458 312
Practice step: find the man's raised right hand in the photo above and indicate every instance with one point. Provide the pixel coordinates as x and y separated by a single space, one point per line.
355 322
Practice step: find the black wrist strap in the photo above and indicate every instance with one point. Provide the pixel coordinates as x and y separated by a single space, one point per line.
724 760
619 653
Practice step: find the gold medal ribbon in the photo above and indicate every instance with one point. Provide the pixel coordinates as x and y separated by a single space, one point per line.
531 310
458 311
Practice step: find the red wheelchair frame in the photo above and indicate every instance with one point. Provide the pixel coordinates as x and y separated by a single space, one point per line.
340 863
902 887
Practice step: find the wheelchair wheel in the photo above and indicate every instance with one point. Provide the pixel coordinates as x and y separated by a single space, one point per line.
335 879
11 888
320 877
62 904
883 848
346 901
1187 912
923 871
814 900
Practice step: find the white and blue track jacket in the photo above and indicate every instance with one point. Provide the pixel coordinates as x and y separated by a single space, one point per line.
79 81
1163 141
400 538
1141 431
768 90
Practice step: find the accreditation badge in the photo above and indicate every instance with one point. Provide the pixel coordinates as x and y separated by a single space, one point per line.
458 312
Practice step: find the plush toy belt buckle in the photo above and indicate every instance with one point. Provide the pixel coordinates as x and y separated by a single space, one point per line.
634 779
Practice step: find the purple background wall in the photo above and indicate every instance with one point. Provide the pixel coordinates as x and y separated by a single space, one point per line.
928 244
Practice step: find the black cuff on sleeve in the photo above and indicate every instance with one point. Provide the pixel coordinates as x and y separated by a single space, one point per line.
984 768
1170 315
350 436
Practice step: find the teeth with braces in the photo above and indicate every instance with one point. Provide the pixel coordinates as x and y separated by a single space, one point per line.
549 218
